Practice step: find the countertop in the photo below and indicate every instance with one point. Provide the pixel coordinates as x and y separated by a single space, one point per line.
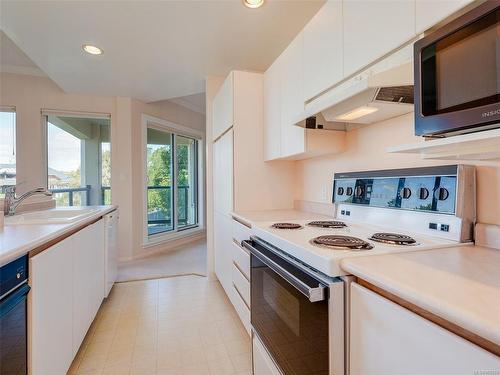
18 239
458 284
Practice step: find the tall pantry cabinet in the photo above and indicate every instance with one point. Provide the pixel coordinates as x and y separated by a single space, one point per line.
242 180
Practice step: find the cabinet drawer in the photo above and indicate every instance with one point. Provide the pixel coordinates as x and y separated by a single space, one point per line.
242 260
240 232
241 284
241 308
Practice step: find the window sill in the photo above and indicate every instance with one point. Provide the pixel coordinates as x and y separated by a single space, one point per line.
161 238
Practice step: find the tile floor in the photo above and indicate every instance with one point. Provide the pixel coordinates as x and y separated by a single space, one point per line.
180 325
188 259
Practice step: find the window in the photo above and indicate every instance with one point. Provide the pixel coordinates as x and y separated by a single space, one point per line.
78 159
7 149
171 179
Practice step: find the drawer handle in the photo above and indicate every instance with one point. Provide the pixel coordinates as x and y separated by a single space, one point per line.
239 294
241 271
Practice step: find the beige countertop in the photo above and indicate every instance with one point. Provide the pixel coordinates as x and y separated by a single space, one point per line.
458 284
18 239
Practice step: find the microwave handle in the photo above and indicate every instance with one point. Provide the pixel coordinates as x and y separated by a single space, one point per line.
313 294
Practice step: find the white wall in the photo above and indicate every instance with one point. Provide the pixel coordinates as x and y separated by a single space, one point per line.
366 150
31 94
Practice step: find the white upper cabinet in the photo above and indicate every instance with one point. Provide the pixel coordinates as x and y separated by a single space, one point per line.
292 99
223 110
323 50
374 28
430 12
272 112
223 174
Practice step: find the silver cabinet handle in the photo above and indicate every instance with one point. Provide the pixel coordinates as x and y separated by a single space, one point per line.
314 294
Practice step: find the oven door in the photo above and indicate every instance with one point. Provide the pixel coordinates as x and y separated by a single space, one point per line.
289 313
457 74
13 333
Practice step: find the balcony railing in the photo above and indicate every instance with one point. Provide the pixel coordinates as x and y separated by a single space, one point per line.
84 194
160 218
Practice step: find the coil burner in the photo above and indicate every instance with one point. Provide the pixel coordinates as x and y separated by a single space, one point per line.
393 239
327 224
286 226
341 243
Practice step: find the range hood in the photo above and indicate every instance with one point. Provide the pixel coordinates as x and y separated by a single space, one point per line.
383 91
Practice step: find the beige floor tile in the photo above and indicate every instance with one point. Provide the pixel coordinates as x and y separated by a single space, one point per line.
183 325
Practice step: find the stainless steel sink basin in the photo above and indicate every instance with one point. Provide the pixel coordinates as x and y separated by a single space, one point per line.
54 216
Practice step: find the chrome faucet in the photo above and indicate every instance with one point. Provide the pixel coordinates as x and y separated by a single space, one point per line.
11 202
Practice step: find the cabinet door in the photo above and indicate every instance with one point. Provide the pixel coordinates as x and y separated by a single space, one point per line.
51 310
272 112
387 339
223 108
430 12
223 174
374 28
322 57
292 99
222 250
88 279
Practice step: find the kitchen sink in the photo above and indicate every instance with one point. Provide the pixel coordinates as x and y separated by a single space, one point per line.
53 216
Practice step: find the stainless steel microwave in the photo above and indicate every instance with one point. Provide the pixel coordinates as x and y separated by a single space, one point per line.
457 75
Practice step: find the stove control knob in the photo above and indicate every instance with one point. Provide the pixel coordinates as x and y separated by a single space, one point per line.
442 194
358 191
340 191
406 193
423 193
348 191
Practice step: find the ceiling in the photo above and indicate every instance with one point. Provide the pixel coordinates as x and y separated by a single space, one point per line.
13 60
153 50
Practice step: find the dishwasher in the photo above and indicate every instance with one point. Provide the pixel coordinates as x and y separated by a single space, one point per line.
14 291
110 250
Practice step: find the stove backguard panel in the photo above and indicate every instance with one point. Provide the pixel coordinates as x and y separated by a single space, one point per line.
442 190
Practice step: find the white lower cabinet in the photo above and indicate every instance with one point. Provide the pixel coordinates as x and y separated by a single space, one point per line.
66 293
262 362
387 339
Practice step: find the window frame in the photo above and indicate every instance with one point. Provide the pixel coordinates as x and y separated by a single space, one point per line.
12 109
148 121
45 113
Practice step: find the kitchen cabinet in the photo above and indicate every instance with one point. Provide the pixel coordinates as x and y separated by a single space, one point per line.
223 205
323 50
88 279
272 111
50 312
372 29
430 12
66 292
387 339
292 99
243 181
223 108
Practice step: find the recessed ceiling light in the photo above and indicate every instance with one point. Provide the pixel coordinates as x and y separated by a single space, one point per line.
253 3
93 50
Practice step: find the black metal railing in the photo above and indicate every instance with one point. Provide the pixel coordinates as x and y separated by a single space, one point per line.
84 191
161 224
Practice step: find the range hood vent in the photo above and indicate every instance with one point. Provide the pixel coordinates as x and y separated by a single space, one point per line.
380 92
397 94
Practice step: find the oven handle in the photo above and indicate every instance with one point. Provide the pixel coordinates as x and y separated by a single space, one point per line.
313 294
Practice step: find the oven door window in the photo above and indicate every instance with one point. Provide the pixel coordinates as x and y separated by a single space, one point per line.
462 70
293 329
